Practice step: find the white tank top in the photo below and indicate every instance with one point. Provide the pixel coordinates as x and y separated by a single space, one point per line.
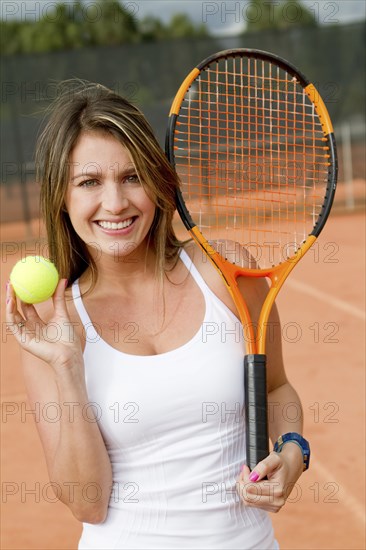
173 425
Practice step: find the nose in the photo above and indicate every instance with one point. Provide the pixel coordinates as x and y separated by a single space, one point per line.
114 199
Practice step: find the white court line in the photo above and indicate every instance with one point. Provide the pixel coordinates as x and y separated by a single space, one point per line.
354 506
328 299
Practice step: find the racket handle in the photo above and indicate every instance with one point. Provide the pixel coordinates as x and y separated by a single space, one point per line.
256 425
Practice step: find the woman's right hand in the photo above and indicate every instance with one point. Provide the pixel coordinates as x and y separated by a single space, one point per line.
55 341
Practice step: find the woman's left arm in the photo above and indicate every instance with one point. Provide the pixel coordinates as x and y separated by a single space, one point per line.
271 481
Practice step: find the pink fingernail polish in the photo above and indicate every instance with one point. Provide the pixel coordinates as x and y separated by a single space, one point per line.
242 468
254 476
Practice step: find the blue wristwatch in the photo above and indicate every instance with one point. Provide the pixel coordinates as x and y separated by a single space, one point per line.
300 441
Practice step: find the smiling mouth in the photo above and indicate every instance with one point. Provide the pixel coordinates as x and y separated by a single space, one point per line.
116 225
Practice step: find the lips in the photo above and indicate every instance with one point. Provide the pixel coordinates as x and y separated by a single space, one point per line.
115 225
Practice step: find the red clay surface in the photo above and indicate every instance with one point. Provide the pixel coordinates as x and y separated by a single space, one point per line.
322 313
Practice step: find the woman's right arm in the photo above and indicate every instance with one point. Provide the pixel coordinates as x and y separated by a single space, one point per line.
77 460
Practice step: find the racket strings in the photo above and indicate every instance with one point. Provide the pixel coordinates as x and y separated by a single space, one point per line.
252 157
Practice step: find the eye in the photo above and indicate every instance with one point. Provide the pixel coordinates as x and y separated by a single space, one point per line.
88 183
132 178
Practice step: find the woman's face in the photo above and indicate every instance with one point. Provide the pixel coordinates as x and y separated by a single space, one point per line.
107 205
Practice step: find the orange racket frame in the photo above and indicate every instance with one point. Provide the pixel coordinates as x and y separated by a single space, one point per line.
255 360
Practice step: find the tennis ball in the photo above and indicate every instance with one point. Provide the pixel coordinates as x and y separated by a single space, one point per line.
34 279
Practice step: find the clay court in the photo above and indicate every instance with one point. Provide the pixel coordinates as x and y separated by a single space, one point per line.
323 320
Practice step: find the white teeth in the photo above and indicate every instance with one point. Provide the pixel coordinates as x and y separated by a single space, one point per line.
113 225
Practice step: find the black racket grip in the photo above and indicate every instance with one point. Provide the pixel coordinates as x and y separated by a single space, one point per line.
256 425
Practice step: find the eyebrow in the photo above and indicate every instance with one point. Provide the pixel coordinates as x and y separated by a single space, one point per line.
84 175
128 169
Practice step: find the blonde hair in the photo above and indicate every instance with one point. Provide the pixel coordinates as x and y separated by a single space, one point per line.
84 106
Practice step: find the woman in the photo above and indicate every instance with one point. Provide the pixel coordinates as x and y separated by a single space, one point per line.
150 445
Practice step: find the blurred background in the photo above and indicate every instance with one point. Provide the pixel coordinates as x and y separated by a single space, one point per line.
143 50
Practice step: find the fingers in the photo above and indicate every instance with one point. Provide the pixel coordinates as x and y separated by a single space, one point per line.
26 326
28 310
15 323
257 491
30 313
12 314
58 298
266 468
52 340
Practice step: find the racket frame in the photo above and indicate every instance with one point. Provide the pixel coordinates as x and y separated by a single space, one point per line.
255 359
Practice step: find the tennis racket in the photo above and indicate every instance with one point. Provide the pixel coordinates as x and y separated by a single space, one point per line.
253 145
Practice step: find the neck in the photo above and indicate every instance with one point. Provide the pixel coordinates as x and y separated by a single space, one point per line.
124 273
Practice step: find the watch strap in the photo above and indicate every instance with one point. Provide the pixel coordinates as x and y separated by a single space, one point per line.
300 441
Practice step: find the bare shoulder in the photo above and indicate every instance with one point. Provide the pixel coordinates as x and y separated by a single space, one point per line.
210 274
252 289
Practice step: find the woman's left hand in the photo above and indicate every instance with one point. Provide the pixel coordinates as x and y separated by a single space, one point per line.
282 471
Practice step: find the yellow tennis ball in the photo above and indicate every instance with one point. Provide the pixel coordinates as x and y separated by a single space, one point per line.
34 279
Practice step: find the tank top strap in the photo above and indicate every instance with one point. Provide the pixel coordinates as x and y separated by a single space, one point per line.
83 314
196 274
